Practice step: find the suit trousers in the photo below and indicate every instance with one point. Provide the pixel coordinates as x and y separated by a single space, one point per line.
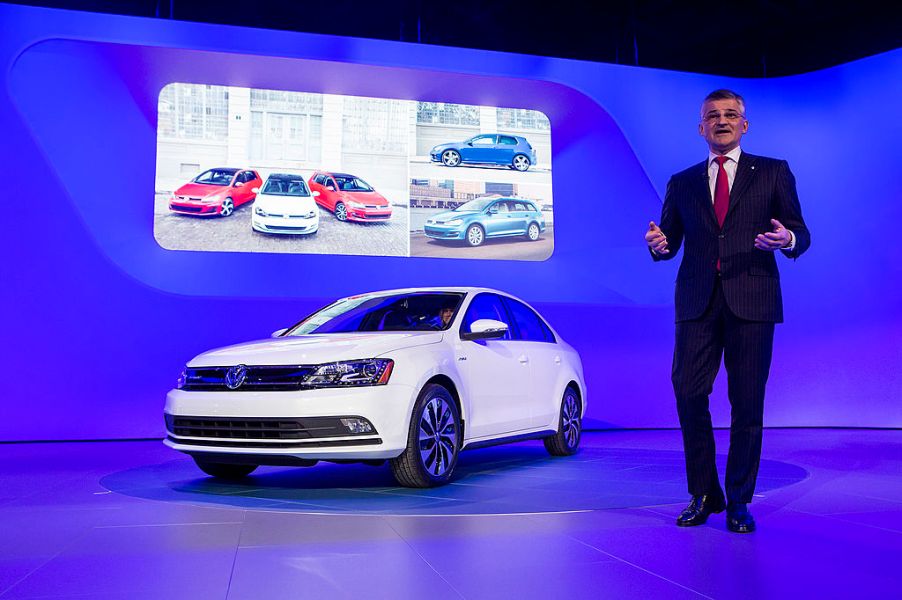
746 348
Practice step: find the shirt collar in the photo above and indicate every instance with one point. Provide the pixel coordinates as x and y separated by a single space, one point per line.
732 155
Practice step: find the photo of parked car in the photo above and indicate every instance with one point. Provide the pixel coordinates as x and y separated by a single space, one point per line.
411 377
349 197
285 205
215 192
487 217
512 151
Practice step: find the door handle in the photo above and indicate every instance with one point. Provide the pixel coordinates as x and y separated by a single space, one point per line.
523 359
557 360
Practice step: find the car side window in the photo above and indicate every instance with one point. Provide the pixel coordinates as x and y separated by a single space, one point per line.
530 327
486 306
507 140
518 206
488 140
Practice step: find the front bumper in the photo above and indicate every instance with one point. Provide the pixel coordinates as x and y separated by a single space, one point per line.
386 407
368 214
199 209
444 232
285 224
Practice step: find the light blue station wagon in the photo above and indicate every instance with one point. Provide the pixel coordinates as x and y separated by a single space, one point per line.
483 218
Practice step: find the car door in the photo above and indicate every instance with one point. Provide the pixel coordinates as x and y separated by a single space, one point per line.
479 149
497 219
519 215
534 339
496 377
242 191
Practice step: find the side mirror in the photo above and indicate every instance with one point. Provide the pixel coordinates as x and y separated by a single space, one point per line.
485 329
316 193
256 190
469 143
278 332
330 187
238 184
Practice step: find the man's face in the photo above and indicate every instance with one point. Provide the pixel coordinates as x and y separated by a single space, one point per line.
446 314
722 124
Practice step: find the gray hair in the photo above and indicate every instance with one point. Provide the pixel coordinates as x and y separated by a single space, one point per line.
724 94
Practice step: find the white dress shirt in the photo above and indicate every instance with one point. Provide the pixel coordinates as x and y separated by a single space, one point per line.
730 167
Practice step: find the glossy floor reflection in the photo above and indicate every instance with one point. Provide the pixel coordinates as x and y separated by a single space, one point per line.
135 520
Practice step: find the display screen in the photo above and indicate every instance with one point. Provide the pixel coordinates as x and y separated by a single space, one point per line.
254 170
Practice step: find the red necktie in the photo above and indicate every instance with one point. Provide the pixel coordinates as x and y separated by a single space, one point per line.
721 191
721 194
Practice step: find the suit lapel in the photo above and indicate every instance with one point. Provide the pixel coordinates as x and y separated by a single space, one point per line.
745 172
703 192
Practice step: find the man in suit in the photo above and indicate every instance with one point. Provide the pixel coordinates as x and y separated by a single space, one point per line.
731 213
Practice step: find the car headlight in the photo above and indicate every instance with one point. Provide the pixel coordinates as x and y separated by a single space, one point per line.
356 204
183 378
259 211
349 373
455 222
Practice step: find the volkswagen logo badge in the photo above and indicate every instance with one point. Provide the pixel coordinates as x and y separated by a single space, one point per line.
235 376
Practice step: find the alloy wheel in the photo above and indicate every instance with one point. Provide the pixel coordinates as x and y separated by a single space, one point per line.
227 208
570 422
438 437
521 163
475 236
341 212
450 158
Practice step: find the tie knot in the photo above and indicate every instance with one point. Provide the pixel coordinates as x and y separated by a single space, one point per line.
721 160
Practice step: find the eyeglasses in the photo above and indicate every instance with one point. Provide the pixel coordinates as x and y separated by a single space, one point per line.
730 115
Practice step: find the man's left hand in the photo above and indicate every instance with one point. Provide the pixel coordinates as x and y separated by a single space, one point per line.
773 240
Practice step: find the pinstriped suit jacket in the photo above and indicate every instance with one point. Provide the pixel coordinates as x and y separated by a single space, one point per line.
764 189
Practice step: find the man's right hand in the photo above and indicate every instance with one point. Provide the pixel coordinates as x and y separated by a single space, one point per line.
656 240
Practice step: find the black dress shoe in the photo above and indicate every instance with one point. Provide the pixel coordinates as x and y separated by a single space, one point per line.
739 519
699 508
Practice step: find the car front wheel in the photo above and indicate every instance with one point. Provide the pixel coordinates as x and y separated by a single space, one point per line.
341 212
224 470
475 235
227 208
433 441
566 441
521 162
450 158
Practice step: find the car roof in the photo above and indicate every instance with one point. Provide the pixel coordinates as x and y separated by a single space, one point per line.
285 176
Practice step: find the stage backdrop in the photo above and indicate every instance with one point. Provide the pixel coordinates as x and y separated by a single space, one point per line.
98 318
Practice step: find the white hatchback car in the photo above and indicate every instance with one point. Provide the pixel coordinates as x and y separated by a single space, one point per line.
285 205
410 376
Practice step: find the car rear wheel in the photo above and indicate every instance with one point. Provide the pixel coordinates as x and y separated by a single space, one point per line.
566 441
433 441
227 208
341 212
224 470
532 232
521 162
475 235
450 158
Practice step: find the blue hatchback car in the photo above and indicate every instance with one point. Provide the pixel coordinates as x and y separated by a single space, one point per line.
488 148
489 217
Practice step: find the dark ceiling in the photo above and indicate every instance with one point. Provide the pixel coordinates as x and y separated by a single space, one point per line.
758 38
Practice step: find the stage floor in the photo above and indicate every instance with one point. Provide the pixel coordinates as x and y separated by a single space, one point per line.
130 520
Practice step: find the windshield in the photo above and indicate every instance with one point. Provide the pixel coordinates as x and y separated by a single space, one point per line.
352 184
216 177
423 311
285 186
478 204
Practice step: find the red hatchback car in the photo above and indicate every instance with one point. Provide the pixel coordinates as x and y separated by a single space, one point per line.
349 197
215 192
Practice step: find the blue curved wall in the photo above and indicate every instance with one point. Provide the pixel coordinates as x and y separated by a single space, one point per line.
98 319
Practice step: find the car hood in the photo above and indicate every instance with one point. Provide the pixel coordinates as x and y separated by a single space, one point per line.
442 147
371 198
454 214
200 190
314 348
286 205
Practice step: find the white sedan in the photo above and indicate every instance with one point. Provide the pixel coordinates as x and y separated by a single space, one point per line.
410 376
285 205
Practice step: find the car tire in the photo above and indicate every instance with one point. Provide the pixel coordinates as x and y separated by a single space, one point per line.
433 441
225 470
341 211
227 207
569 427
521 163
475 235
450 158
533 232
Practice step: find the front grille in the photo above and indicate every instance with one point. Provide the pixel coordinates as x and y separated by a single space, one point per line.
191 209
287 228
256 379
254 428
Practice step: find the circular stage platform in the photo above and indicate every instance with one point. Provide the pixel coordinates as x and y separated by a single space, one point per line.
514 479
